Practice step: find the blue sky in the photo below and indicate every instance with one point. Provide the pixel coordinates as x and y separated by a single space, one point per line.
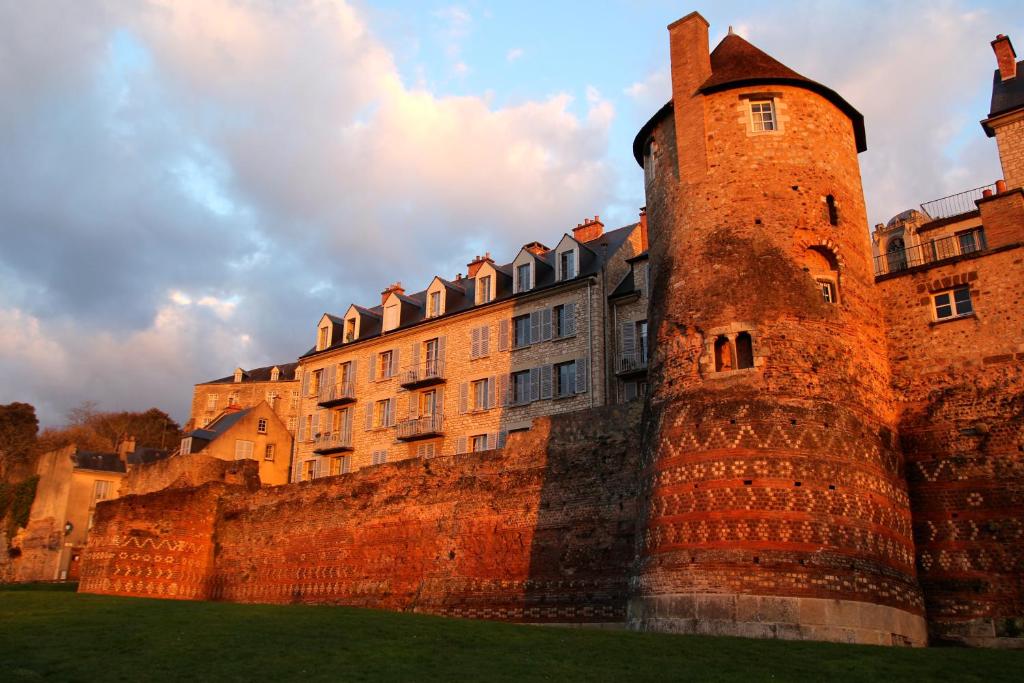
186 186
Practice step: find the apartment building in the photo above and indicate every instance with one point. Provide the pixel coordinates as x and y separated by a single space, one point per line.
275 384
457 366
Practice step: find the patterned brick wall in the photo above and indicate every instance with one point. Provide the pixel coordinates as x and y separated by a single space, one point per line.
542 531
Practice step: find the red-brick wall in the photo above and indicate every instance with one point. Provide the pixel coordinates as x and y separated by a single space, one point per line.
542 531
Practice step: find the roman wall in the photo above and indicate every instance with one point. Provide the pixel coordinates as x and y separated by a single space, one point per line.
189 471
541 531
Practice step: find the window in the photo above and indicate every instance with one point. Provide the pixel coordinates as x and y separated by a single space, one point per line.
314 383
833 210
382 413
309 470
641 338
243 449
101 489
238 375
521 331
322 341
350 330
650 159
275 375
564 320
232 399
431 350
968 242
723 354
523 278
268 452
211 402
384 364
480 388
567 264
261 426
953 304
744 351
565 379
340 465
186 445
380 457
391 316
434 309
480 342
828 291
309 428
426 450
478 443
292 424
271 398
344 373
896 254
483 289
762 115
295 400
521 387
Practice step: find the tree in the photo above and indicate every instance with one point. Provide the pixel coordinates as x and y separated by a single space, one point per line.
18 429
92 430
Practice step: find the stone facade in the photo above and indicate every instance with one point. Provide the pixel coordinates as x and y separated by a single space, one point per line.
246 389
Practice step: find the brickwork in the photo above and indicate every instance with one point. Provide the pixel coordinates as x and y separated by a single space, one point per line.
541 531
1010 140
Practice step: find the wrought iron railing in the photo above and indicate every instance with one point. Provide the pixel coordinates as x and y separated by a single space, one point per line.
631 361
930 252
427 371
341 391
955 204
420 426
330 440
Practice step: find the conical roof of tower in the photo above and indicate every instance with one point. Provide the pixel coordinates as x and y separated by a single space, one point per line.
735 63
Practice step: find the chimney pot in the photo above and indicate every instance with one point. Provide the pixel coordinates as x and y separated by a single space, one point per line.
1006 57
1000 186
986 192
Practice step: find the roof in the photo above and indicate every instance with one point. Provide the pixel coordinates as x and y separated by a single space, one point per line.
144 456
260 374
735 63
1007 96
599 249
222 424
103 462
625 288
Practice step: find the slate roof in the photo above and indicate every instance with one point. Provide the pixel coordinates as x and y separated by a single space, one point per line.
626 287
592 258
735 63
260 374
144 456
223 423
1007 96
103 462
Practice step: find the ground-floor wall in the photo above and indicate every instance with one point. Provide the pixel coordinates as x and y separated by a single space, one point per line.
541 531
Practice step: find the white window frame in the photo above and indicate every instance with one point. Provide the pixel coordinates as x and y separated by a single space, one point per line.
520 287
562 275
269 452
211 402
484 289
434 303
828 290
261 425
952 304
763 115
322 338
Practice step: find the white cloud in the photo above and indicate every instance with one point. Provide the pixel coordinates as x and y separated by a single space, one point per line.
514 55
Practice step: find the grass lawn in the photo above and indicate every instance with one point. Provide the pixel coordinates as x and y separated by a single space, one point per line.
66 636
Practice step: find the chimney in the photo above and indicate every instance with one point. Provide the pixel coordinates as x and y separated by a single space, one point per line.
535 248
475 265
396 287
643 228
588 229
125 448
691 66
1006 58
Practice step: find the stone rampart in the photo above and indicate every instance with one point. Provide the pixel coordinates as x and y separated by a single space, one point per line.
189 471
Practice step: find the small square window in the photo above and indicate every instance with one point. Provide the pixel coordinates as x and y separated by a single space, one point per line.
762 115
953 304
261 425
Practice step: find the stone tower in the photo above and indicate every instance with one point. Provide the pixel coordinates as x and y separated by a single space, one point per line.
775 501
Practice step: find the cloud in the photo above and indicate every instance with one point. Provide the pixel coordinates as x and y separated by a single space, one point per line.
514 55
186 188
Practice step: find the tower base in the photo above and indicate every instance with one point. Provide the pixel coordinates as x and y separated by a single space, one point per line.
786 618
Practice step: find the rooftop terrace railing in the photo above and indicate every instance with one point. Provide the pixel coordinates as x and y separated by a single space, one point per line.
955 204
933 251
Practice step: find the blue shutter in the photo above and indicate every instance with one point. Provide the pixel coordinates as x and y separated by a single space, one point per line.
535 325
545 326
545 381
570 321
581 375
535 384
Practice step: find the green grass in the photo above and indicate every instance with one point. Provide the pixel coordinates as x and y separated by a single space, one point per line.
46 634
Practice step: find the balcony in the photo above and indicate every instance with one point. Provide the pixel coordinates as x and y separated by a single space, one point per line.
631 363
933 252
337 394
333 442
422 374
420 428
955 204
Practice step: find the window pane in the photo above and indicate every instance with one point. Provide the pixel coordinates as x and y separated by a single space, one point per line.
963 301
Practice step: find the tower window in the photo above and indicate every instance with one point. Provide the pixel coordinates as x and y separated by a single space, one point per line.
744 351
762 115
650 159
833 210
723 354
828 291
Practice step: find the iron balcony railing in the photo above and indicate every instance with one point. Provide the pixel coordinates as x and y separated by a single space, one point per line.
420 427
930 252
327 442
428 372
334 394
631 361
955 204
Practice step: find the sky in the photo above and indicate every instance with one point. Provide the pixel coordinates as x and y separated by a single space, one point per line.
186 186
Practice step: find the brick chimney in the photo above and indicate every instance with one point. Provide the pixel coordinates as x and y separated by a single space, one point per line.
643 228
125 448
396 287
691 66
1006 57
475 265
588 229
535 248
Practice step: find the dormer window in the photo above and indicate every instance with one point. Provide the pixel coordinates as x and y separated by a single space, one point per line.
275 374
321 340
567 265
238 375
524 277
762 116
434 305
350 330
392 315
484 283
